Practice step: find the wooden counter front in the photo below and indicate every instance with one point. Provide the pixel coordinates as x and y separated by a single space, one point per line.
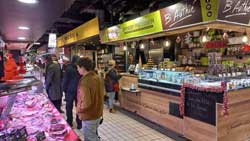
153 106
163 109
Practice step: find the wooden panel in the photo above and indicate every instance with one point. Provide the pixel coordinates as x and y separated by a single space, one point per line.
235 126
199 131
238 96
127 80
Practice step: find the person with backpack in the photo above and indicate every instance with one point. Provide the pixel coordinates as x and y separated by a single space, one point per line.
111 84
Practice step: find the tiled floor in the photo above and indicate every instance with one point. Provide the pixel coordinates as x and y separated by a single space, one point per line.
119 127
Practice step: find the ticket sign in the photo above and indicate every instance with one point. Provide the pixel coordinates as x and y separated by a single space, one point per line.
237 11
181 14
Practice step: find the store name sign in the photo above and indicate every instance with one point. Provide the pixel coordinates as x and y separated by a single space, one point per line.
181 14
147 24
84 31
235 11
52 40
240 8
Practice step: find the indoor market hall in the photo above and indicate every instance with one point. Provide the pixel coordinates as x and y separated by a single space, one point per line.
124 70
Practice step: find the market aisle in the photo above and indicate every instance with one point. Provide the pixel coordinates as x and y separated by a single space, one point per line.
120 127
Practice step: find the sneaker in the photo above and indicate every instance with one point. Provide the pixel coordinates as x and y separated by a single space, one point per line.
79 127
112 111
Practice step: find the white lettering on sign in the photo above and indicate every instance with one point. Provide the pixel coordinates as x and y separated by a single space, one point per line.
242 7
180 14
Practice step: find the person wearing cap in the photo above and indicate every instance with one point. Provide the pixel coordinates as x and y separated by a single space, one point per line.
111 82
90 99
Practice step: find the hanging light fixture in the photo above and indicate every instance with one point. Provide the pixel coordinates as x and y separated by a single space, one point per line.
204 38
167 43
125 48
245 38
142 46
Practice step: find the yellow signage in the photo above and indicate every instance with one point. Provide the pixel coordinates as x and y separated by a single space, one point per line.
84 31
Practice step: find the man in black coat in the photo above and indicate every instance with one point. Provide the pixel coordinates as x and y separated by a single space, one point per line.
53 82
70 83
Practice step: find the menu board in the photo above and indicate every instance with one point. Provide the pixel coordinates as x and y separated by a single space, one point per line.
181 14
235 11
201 105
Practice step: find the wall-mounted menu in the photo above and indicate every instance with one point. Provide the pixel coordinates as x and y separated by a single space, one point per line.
201 105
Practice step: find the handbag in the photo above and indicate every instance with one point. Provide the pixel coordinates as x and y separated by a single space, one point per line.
116 87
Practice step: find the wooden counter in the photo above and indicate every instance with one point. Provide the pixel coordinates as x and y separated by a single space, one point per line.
163 109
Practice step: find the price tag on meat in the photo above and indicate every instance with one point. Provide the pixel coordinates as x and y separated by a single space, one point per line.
40 136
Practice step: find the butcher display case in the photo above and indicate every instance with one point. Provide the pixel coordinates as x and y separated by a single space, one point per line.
14 86
31 116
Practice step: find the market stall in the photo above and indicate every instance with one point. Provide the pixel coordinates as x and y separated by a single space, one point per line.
192 77
27 114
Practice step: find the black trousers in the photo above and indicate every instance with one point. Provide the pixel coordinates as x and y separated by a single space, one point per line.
71 97
57 104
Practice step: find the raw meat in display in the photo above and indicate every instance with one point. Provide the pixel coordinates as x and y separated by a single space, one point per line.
38 114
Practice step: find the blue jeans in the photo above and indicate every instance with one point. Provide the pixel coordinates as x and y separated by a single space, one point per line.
111 99
90 129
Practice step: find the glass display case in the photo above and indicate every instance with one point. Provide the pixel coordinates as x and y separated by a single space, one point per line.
166 81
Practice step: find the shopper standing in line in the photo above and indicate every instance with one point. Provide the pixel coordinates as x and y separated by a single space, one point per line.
90 99
111 84
53 82
71 78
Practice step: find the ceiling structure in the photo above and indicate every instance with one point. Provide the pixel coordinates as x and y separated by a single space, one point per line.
38 17
61 16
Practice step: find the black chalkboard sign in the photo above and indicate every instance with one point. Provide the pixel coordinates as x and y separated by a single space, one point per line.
40 136
201 105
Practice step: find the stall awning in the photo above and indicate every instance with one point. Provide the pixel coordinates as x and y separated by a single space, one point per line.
188 15
84 31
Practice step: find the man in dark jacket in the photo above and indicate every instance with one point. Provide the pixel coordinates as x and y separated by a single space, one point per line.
53 82
70 82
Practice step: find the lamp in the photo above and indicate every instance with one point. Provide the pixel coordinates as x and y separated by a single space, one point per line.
245 38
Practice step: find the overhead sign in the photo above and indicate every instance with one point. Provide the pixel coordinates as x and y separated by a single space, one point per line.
84 31
235 11
148 24
52 40
183 13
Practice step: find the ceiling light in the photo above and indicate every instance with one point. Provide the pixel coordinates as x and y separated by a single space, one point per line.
23 28
29 1
21 38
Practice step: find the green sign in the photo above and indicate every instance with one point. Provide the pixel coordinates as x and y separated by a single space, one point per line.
209 10
148 24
